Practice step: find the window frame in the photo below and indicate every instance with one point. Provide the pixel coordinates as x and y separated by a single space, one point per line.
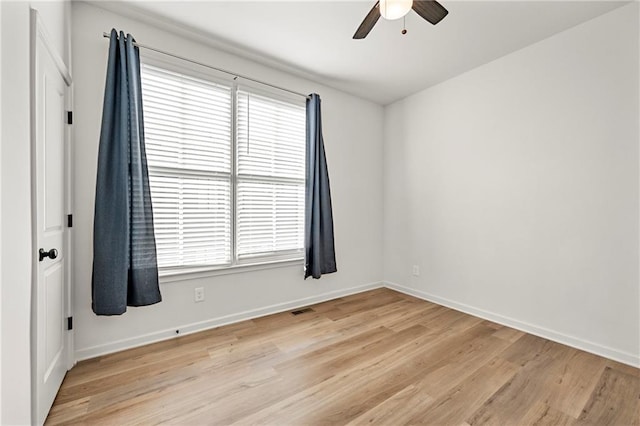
236 265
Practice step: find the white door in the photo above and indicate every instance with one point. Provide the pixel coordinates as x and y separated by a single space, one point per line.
50 84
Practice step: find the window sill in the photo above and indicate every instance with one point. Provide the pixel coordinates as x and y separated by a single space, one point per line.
175 275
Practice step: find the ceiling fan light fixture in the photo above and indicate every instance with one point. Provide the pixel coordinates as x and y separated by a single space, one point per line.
394 9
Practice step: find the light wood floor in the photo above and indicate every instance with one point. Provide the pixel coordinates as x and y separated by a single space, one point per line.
378 357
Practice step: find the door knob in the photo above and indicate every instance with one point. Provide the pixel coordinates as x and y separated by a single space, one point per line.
51 254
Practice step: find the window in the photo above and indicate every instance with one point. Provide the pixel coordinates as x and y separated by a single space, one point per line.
226 168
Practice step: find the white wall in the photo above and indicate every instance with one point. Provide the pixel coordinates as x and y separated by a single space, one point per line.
514 187
353 140
15 227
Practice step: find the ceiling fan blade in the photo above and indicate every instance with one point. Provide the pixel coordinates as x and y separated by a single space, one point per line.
369 21
430 10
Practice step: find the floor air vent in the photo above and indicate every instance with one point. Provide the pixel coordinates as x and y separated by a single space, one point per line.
302 311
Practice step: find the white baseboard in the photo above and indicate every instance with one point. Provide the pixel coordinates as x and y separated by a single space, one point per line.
594 348
145 339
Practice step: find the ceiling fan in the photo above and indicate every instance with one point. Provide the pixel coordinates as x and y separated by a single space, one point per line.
430 10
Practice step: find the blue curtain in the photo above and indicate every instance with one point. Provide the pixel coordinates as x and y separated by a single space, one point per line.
320 257
125 270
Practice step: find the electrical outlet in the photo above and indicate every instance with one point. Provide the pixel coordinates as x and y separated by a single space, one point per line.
416 270
199 294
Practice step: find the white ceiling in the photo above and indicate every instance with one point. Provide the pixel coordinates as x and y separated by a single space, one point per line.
314 37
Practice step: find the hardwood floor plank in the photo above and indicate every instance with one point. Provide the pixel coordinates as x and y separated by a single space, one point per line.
460 366
623 368
381 378
332 351
510 334
571 387
176 399
514 399
183 348
456 405
530 347
343 378
614 400
67 411
107 379
378 357
393 410
542 414
234 395
355 357
411 315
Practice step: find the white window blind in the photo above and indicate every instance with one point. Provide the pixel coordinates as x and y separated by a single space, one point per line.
187 135
222 196
270 177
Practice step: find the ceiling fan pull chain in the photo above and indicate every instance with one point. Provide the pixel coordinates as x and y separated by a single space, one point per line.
404 25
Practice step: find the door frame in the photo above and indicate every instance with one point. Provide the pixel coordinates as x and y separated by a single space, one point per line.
38 32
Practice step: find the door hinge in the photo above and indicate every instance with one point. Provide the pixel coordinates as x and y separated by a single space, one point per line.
69 117
69 323
69 221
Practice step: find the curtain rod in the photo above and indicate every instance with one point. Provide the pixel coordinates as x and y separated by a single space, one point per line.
235 75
